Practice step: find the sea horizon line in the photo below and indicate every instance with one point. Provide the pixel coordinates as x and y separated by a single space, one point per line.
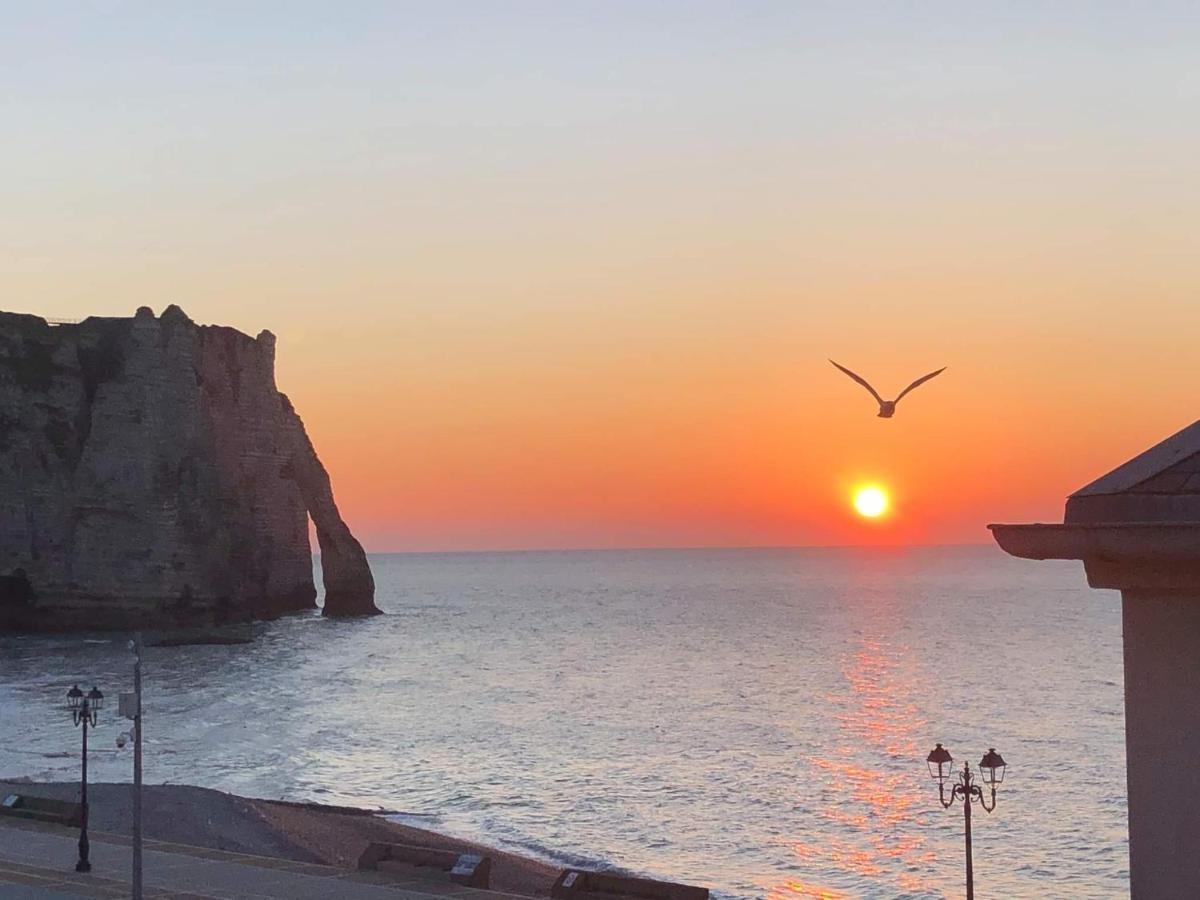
676 549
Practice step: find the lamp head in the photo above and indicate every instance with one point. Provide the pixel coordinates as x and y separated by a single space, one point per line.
939 762
992 766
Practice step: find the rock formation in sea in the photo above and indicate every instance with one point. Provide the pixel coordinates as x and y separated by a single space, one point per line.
152 473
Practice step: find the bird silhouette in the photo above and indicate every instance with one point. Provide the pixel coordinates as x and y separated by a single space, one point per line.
887 408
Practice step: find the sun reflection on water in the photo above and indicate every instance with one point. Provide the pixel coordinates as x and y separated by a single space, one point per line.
868 795
793 889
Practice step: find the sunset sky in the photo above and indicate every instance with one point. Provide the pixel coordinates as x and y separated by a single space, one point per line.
567 274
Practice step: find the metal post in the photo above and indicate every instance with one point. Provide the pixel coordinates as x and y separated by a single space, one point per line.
84 865
967 821
137 769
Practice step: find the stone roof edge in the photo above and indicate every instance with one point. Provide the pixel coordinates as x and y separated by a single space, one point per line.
1146 465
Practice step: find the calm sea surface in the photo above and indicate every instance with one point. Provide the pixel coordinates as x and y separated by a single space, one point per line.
752 720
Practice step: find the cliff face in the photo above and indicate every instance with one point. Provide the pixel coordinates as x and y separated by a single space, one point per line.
151 472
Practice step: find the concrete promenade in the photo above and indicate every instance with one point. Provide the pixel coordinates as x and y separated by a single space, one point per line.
37 862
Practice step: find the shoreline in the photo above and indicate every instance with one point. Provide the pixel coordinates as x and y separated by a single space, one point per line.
299 831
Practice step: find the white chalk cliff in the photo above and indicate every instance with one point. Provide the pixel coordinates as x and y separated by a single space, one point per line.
151 472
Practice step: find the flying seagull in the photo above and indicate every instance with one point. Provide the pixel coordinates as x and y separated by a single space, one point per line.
887 408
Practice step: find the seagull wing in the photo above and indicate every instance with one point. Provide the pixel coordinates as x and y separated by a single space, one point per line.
863 382
920 381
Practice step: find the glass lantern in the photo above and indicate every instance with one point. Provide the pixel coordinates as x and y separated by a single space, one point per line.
992 766
939 762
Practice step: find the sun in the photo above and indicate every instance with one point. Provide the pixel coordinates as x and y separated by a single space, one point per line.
871 501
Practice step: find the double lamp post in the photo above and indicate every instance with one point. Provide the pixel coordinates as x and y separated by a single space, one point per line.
991 768
85 711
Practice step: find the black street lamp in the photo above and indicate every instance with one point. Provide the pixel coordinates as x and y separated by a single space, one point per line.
85 710
992 768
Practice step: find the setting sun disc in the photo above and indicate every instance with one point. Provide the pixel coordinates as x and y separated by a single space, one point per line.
871 501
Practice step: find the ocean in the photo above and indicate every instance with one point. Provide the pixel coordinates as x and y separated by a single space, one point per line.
753 720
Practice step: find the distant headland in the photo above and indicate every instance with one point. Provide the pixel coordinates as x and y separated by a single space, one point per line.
151 473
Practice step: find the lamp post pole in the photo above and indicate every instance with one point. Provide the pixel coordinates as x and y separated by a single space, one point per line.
84 864
992 767
137 768
966 789
967 832
85 710
131 708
